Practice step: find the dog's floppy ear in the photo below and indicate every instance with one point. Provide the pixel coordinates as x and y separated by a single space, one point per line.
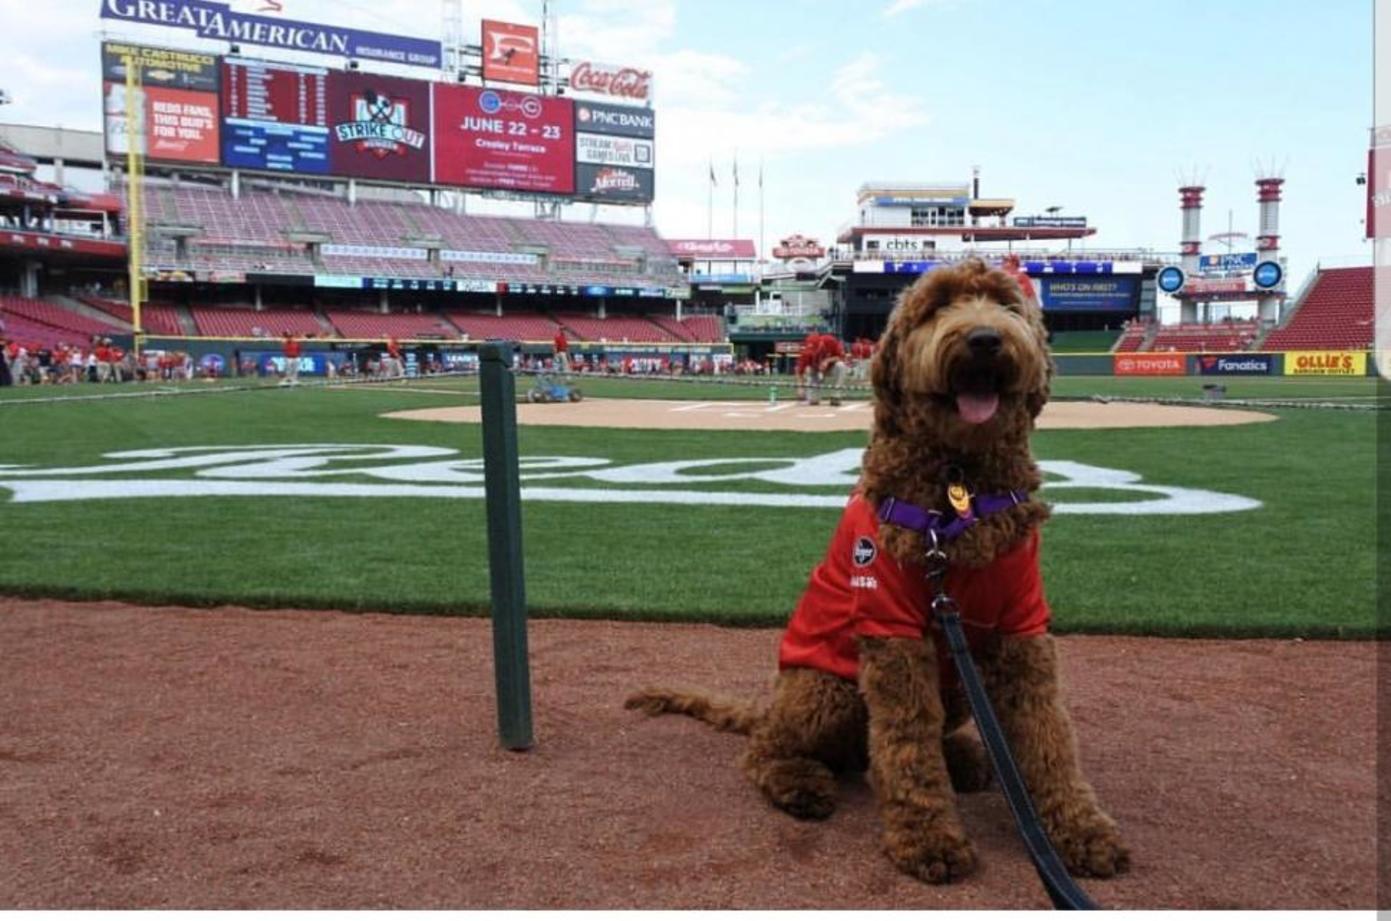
1038 394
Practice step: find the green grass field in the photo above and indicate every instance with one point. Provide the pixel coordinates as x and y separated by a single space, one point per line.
1302 564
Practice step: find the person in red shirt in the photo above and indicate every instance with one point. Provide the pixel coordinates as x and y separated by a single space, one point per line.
1012 268
103 353
828 359
806 364
291 348
860 590
396 365
562 352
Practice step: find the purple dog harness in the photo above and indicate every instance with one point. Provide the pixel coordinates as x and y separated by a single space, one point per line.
942 527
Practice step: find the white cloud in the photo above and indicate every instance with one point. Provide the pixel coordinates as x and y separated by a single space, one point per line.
902 6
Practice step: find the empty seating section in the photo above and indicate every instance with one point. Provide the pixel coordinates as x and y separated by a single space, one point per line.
371 265
52 316
364 324
161 320
1204 337
255 232
37 335
1336 314
156 318
1132 338
615 329
705 328
530 327
245 321
677 329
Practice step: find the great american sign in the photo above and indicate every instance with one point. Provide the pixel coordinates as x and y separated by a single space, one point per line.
218 21
428 472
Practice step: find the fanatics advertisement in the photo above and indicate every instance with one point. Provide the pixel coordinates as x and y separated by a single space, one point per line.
275 117
1078 295
379 127
176 115
613 183
494 139
1241 363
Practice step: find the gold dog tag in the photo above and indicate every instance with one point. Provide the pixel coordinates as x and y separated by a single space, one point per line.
960 499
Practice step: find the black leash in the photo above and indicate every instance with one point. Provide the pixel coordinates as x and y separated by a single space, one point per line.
1062 889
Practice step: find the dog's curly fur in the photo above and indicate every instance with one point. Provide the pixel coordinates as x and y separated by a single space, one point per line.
897 722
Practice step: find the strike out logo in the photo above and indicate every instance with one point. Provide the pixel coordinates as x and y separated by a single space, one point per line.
379 126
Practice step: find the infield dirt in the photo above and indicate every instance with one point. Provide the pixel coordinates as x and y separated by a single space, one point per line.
229 758
755 416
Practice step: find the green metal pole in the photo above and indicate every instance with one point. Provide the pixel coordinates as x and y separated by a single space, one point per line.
504 507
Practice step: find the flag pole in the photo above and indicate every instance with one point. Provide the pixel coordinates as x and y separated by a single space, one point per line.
760 209
710 203
735 235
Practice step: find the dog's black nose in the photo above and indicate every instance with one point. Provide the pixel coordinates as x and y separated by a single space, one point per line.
984 340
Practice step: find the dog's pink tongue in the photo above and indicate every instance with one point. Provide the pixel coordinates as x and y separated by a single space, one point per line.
976 408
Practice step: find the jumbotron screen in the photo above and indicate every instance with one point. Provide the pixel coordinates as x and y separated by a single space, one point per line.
262 116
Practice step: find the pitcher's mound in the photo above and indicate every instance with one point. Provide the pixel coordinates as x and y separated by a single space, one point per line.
748 415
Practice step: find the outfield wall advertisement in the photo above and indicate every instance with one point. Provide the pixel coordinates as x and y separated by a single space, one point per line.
1145 364
1326 364
1241 363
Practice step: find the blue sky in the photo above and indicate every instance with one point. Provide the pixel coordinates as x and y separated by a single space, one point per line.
1091 105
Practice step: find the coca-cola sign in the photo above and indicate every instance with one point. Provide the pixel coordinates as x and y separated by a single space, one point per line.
610 80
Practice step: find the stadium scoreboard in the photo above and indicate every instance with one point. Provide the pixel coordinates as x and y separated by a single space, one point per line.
249 114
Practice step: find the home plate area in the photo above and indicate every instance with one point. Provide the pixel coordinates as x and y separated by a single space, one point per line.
747 415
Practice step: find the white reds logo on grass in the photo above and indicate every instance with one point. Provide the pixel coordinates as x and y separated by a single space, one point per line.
424 471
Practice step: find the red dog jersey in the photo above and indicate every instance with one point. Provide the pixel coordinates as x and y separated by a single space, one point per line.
860 590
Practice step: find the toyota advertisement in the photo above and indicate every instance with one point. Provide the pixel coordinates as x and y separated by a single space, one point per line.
503 140
615 155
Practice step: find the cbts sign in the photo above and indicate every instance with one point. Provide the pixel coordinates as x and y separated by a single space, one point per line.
219 22
627 83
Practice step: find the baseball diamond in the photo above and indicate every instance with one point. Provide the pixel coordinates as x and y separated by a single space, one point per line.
390 457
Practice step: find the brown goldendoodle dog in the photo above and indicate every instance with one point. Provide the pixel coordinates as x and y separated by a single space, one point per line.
961 373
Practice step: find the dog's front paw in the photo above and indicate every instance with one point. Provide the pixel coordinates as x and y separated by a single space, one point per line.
1091 846
932 855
